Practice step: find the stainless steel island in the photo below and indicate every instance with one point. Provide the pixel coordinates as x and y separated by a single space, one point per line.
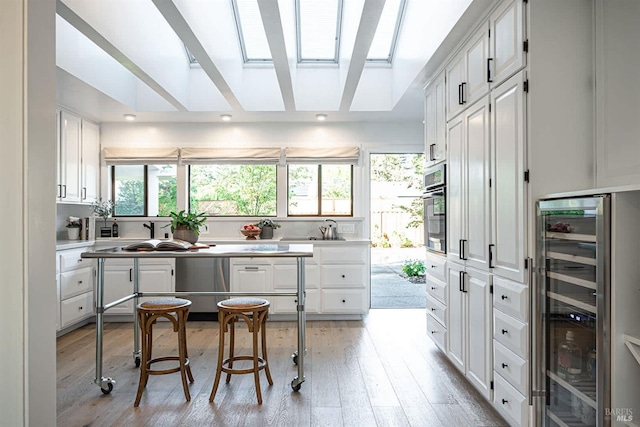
298 251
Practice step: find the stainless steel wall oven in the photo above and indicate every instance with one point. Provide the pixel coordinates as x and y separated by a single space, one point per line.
435 215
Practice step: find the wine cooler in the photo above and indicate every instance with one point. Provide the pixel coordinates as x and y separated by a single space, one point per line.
574 298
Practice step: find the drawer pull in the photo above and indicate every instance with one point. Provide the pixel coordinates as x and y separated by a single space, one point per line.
433 266
344 301
433 288
433 309
504 297
80 260
504 331
251 268
434 332
504 401
504 365
80 308
79 282
343 276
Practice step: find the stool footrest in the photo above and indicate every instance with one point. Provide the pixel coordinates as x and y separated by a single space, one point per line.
224 368
165 371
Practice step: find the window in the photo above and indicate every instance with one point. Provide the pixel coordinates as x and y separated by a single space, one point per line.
233 190
144 190
320 190
318 26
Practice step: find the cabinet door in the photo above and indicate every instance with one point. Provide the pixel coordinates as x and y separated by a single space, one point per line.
59 300
506 42
508 212
456 327
59 165
90 161
118 283
476 247
285 276
456 202
70 156
156 278
476 82
455 89
251 278
479 337
435 121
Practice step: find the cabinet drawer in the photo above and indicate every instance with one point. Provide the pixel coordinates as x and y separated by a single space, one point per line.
437 310
347 255
285 276
436 266
288 304
510 332
71 260
335 276
75 309
437 289
509 402
76 282
512 367
351 301
437 332
511 297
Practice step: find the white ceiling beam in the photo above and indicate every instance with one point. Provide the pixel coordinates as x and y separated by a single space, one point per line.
270 13
175 19
366 31
83 26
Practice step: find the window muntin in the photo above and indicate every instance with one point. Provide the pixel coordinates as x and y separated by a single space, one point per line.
320 190
318 25
233 190
144 190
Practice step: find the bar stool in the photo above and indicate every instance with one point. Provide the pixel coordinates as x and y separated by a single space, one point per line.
176 310
254 312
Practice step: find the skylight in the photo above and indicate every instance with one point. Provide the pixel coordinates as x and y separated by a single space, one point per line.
251 34
386 37
318 25
192 59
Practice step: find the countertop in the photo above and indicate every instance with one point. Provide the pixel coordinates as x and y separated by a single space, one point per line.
123 241
270 250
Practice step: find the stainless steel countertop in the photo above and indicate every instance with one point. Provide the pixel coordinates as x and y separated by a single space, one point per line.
273 250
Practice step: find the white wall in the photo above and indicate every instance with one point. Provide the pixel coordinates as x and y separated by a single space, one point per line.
27 197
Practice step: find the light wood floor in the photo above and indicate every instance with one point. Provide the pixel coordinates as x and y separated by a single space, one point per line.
382 371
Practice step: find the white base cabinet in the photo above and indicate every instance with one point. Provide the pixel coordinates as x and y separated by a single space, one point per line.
75 282
155 275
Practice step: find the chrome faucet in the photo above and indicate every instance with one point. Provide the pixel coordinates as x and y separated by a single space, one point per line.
152 229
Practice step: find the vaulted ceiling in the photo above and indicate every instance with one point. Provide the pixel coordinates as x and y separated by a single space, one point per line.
117 57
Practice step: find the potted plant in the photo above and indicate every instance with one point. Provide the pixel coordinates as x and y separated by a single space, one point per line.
186 225
266 228
103 209
73 227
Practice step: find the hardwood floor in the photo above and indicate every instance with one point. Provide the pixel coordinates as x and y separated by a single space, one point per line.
382 371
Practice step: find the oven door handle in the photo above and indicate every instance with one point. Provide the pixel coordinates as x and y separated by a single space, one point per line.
432 194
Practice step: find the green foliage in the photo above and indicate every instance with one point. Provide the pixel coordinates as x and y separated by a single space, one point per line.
103 208
130 197
191 220
413 267
266 222
167 195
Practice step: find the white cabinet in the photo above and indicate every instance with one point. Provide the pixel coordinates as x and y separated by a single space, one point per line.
155 275
468 171
506 49
345 279
617 93
252 278
74 283
508 214
70 157
78 159
90 162
469 328
436 283
467 79
285 279
435 121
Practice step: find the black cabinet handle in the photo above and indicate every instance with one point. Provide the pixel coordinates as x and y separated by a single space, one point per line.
460 249
84 193
460 102
463 288
463 88
504 331
504 365
79 282
504 401
433 309
433 288
64 194
343 276
59 191
431 151
344 300
131 275
489 70
491 246
80 308
504 297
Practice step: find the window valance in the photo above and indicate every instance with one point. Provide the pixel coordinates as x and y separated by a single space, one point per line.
140 156
323 155
247 156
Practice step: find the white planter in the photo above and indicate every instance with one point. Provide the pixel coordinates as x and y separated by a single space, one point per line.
74 233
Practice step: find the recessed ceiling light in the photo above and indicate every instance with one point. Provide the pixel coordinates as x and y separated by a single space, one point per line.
129 117
225 117
321 117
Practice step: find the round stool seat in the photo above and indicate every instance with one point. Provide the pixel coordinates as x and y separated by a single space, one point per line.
165 304
244 303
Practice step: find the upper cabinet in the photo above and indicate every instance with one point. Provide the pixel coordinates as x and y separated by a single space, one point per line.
617 93
467 79
506 42
78 159
435 121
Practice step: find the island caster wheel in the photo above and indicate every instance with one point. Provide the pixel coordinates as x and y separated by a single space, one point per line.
137 362
295 386
108 390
